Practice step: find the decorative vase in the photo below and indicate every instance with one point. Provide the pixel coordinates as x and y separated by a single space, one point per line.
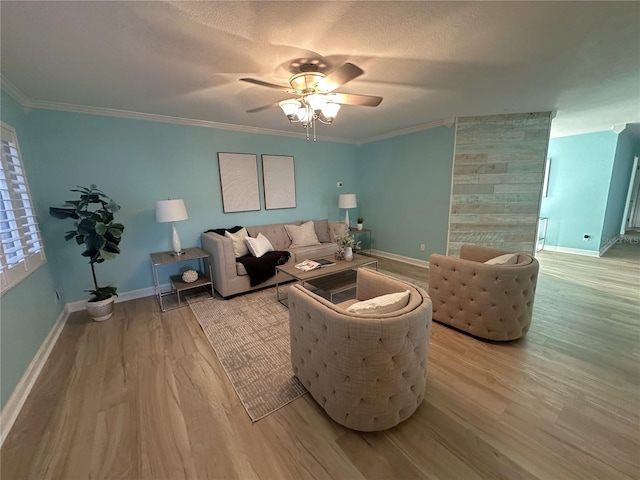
348 254
359 227
102 310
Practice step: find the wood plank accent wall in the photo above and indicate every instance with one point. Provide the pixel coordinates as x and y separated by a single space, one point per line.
497 181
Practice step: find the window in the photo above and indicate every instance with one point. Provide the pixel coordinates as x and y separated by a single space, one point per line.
21 249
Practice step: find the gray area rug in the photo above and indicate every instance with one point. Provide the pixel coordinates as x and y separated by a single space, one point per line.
250 335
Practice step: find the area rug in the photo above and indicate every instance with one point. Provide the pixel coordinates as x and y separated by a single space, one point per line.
250 336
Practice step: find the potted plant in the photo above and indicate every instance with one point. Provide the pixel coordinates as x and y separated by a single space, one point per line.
346 244
100 236
360 223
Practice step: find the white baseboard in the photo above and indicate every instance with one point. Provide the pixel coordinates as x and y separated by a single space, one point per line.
573 251
400 258
21 392
609 244
122 297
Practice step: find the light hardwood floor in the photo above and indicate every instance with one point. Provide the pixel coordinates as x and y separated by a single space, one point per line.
144 396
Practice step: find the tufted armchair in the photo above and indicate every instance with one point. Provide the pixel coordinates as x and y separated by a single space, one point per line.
367 371
488 301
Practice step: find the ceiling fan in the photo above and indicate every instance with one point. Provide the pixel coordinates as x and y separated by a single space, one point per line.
316 96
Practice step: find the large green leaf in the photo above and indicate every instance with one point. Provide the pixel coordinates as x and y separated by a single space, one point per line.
101 228
63 213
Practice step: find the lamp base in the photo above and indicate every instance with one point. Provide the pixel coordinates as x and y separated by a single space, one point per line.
177 254
175 241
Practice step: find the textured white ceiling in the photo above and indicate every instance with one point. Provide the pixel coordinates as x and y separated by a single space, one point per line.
429 60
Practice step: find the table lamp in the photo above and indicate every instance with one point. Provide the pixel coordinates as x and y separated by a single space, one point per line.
172 211
347 201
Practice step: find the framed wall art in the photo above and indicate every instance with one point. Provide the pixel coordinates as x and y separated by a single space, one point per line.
279 181
239 182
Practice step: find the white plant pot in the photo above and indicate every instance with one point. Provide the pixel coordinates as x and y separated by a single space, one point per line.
102 310
348 254
359 226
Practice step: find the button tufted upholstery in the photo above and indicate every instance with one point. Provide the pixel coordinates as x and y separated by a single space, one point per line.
367 371
488 301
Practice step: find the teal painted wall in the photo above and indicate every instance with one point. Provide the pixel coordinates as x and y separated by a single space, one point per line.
619 185
405 189
579 179
27 311
139 162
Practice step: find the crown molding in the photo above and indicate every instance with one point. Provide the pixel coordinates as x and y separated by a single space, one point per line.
152 117
15 93
27 104
444 122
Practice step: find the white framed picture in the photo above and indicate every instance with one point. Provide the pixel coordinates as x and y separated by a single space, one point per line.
279 181
239 182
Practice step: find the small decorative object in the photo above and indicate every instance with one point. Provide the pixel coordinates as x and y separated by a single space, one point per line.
346 245
348 254
360 223
190 276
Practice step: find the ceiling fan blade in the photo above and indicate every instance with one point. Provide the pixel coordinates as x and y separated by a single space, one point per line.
264 107
339 77
353 99
266 84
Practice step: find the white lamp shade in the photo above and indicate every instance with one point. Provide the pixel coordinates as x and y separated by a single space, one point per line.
316 102
347 200
289 107
330 110
171 211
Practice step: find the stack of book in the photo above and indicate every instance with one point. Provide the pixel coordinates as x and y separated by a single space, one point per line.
313 264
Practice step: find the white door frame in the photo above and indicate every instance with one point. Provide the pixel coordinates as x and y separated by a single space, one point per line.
631 216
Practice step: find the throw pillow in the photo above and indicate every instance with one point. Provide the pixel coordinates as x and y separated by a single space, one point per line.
259 246
506 259
239 246
322 230
336 229
382 304
302 235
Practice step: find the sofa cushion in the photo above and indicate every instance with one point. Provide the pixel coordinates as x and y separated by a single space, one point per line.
322 230
302 235
336 229
276 234
239 245
315 251
506 259
383 304
259 246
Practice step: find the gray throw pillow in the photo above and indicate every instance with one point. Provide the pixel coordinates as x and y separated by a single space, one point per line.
322 230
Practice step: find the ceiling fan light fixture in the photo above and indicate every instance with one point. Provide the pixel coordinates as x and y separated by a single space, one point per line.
304 115
330 110
290 108
316 101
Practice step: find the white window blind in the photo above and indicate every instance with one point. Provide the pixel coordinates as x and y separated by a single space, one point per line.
21 249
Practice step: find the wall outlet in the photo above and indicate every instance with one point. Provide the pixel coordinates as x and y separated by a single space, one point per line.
339 185
422 247
586 238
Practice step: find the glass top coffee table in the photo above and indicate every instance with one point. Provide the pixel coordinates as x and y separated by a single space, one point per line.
331 279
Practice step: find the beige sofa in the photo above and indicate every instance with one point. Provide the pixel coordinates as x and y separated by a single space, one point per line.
231 278
367 371
488 301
